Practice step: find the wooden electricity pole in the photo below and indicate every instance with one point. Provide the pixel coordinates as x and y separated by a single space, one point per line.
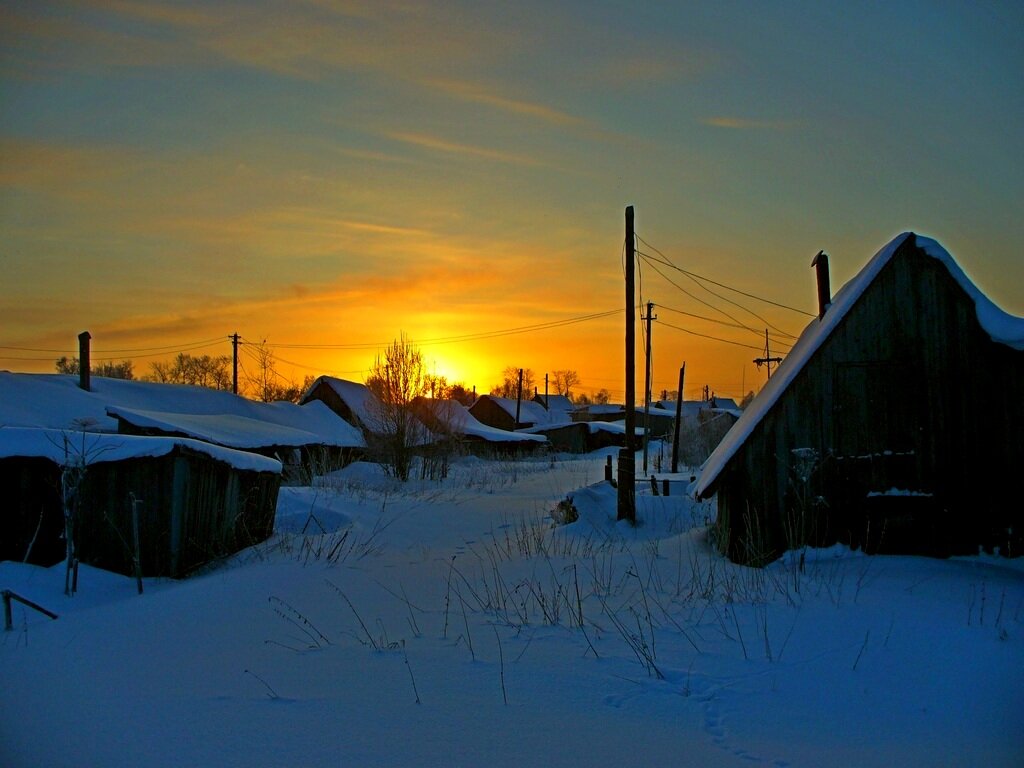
519 397
767 359
627 456
234 362
647 384
679 420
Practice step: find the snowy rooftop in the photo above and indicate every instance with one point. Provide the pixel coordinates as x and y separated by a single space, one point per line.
234 431
461 421
361 401
1002 327
531 412
95 447
55 401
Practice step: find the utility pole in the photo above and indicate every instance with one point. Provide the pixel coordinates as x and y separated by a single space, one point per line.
767 359
545 391
679 420
647 384
627 456
519 398
234 362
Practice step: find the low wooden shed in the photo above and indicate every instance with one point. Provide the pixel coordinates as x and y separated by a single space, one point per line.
893 425
195 502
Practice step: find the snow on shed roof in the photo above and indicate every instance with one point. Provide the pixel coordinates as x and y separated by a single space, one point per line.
530 412
458 418
234 431
1001 326
55 401
97 447
361 401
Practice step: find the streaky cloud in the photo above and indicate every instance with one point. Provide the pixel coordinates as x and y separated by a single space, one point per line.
744 124
442 145
482 94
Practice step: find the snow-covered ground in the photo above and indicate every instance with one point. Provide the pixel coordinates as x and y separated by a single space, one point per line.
450 624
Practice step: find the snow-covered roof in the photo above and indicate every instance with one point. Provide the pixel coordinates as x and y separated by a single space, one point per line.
459 420
55 401
96 447
234 431
604 408
367 407
999 325
361 401
559 403
530 412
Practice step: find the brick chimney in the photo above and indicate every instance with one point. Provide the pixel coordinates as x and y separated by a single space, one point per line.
84 364
820 264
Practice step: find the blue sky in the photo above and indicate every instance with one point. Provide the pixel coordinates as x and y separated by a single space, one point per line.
337 173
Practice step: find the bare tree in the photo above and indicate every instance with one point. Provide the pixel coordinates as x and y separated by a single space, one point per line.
509 387
265 382
564 381
397 378
205 371
106 368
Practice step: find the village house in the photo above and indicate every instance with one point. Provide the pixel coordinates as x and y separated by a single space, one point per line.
192 502
893 425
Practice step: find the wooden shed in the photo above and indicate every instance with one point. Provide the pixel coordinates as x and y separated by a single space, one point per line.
893 425
196 502
456 427
500 412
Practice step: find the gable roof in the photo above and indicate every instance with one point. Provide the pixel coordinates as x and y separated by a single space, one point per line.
1001 327
530 412
365 405
459 420
366 408
55 401
559 403
236 431
97 447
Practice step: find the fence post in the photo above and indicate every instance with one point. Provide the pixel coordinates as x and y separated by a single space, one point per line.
608 469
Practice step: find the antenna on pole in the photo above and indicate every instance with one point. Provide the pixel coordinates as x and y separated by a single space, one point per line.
647 383
767 359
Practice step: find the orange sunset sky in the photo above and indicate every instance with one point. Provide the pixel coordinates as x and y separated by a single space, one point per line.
328 175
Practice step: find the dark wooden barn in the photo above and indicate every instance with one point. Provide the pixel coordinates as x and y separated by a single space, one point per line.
196 502
894 424
500 412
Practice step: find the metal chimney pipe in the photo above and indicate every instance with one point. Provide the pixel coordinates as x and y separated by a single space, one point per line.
820 264
84 364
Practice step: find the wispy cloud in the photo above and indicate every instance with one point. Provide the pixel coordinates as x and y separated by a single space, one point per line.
450 147
481 94
746 124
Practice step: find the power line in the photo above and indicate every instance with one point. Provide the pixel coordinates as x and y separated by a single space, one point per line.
108 358
698 299
706 336
171 347
668 263
652 262
712 320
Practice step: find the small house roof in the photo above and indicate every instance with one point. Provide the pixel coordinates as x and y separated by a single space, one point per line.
1001 327
98 447
361 401
530 412
235 431
459 420
55 401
